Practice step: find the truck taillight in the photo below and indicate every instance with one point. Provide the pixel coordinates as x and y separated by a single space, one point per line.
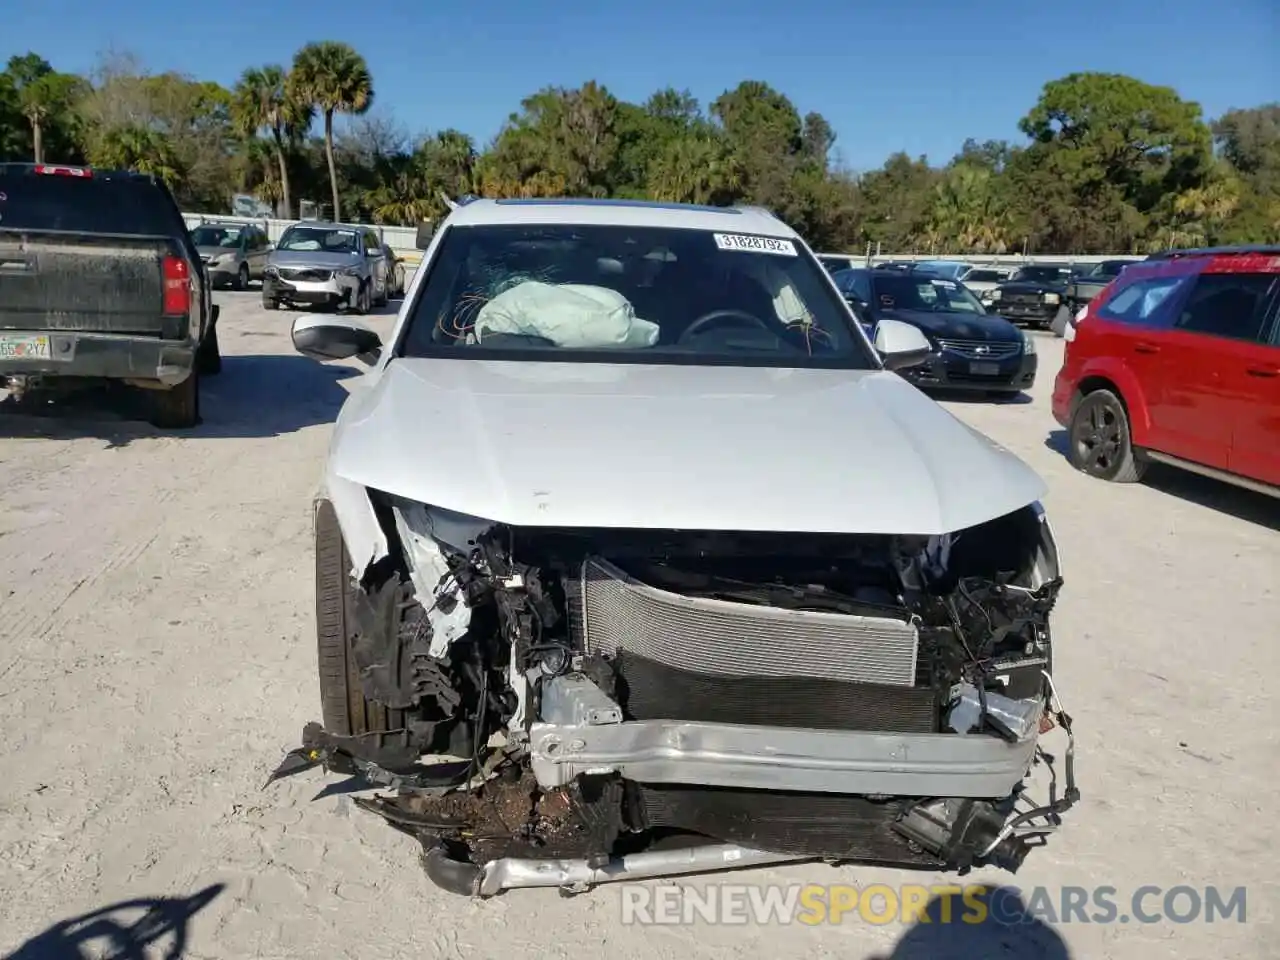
62 170
177 286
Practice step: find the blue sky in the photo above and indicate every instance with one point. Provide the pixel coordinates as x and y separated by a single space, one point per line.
919 75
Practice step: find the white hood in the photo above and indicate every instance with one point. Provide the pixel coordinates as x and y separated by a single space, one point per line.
664 446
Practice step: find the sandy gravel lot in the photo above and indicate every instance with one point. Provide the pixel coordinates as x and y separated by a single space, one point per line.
157 658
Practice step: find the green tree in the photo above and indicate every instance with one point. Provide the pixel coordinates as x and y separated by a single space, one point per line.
563 141
333 78
44 98
896 203
1248 142
1112 146
261 101
139 148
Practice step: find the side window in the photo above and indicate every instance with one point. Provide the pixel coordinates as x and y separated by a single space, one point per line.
861 286
1227 305
371 242
1144 302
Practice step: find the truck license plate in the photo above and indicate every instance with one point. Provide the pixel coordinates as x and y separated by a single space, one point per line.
25 348
984 369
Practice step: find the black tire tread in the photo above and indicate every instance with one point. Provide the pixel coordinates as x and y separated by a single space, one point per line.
344 710
1132 466
178 407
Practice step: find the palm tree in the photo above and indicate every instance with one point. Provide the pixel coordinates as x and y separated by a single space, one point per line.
334 78
42 93
139 148
694 169
262 99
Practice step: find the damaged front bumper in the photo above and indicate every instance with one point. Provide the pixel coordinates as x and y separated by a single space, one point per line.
764 758
628 730
916 800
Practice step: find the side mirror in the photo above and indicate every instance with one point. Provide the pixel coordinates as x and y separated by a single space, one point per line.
900 344
335 338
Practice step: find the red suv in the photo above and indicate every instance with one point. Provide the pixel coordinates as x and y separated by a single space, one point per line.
1178 361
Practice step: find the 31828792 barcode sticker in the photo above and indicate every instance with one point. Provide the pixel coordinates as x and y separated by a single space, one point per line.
748 244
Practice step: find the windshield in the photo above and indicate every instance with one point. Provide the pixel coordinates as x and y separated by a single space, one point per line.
318 238
983 276
631 295
943 268
210 236
936 294
1039 274
1109 268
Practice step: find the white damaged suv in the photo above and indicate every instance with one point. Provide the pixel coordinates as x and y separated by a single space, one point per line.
634 558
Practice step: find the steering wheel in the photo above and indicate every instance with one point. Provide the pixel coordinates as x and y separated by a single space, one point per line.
713 316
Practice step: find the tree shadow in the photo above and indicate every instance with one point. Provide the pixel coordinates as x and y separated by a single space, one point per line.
971 925
1247 505
123 931
254 396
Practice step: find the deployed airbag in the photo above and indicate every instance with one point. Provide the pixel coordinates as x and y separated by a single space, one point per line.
568 314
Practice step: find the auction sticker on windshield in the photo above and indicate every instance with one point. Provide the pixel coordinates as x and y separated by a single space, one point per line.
741 241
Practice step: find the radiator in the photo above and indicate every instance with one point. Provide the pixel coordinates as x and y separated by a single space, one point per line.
718 638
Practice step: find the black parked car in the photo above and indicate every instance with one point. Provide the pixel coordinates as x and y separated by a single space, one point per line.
973 350
1032 295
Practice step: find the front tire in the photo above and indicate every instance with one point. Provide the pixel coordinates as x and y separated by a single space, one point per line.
242 277
1099 440
343 707
364 299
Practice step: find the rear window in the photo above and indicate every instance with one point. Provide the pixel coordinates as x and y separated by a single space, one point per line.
31 201
983 276
1144 302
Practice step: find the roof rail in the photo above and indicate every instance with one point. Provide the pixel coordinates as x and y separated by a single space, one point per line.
462 201
1216 251
753 208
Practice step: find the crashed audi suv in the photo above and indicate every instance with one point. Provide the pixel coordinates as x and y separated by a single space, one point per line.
634 557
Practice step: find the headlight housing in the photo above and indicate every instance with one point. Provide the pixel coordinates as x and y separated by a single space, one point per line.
349 272
1028 343
1052 298
992 295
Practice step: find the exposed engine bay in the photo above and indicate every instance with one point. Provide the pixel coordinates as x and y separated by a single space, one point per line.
577 705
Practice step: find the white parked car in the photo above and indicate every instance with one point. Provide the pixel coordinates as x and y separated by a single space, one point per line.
631 535
982 280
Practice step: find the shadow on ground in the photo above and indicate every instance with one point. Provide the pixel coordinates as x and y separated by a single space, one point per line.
143 929
1214 494
974 926
991 399
253 396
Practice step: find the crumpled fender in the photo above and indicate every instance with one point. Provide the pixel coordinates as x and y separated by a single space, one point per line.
366 543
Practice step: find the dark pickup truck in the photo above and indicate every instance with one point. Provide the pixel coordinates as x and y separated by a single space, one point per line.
99 279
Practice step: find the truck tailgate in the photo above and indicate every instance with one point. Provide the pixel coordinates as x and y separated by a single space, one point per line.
98 284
